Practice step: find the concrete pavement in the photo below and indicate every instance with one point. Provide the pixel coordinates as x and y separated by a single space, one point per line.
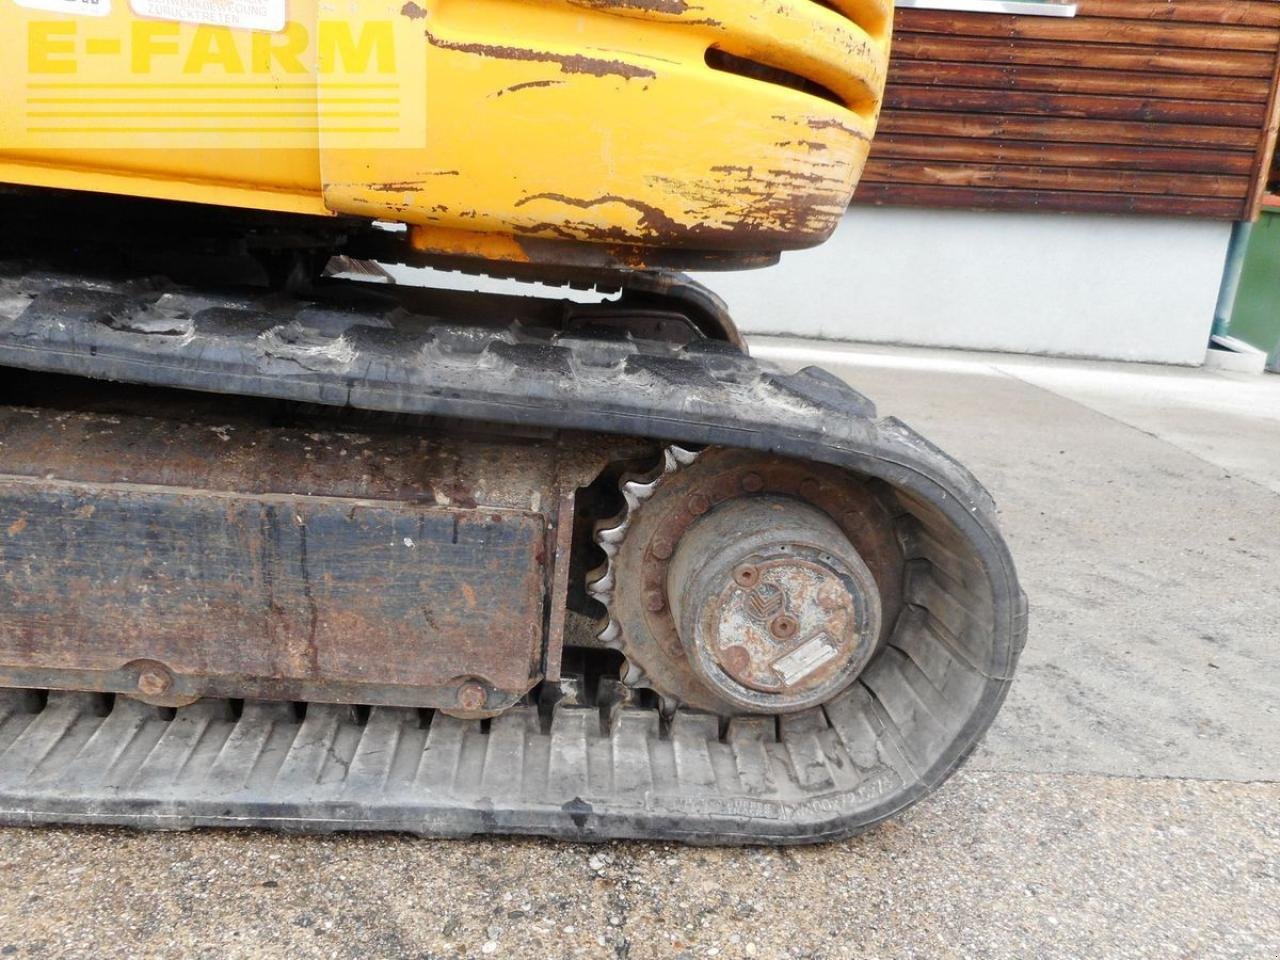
1126 804
1141 504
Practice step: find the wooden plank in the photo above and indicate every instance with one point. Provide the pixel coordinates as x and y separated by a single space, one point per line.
1213 63
1142 106
1092 29
1062 201
881 170
1067 80
964 100
1096 156
1258 13
1265 156
1065 129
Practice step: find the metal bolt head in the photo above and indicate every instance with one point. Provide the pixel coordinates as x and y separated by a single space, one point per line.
471 696
784 627
746 575
752 483
662 548
654 601
698 504
153 681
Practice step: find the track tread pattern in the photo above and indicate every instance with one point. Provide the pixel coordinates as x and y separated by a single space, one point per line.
201 766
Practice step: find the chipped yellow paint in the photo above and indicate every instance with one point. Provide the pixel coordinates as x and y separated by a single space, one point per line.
575 120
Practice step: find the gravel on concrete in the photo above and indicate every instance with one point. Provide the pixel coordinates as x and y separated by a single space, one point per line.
1151 569
996 865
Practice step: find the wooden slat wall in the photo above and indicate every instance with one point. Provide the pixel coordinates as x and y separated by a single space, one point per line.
1271 192
1137 106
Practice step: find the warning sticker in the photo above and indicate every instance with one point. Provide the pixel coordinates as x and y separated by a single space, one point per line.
240 14
81 8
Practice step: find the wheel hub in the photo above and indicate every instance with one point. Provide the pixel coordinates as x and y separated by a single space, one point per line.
737 583
774 608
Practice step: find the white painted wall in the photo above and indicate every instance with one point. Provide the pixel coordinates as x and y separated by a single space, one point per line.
1111 287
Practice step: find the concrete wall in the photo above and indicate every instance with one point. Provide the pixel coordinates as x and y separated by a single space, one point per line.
1122 288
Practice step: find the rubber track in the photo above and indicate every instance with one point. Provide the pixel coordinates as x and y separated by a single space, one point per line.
894 736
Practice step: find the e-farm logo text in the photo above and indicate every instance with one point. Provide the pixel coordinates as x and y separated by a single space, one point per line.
153 83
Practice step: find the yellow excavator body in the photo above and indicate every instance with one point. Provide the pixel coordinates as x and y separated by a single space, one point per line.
722 126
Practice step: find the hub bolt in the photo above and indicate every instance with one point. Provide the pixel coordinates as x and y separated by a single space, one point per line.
752 483
153 681
745 575
784 627
471 696
662 548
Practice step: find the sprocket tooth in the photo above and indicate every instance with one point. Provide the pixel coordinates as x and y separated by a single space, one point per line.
651 475
609 539
635 493
604 585
635 490
633 675
684 457
609 536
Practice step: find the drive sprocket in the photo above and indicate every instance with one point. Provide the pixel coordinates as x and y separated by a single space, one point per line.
740 583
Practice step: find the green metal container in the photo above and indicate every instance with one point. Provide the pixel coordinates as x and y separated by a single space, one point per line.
1254 314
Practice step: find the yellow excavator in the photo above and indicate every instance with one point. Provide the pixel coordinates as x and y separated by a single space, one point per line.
286 544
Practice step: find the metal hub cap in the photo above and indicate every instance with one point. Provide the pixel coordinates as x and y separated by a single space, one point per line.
774 607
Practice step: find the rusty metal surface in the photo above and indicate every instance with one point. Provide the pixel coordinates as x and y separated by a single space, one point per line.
640 604
233 594
222 446
536 257
561 541
174 558
775 609
706 313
